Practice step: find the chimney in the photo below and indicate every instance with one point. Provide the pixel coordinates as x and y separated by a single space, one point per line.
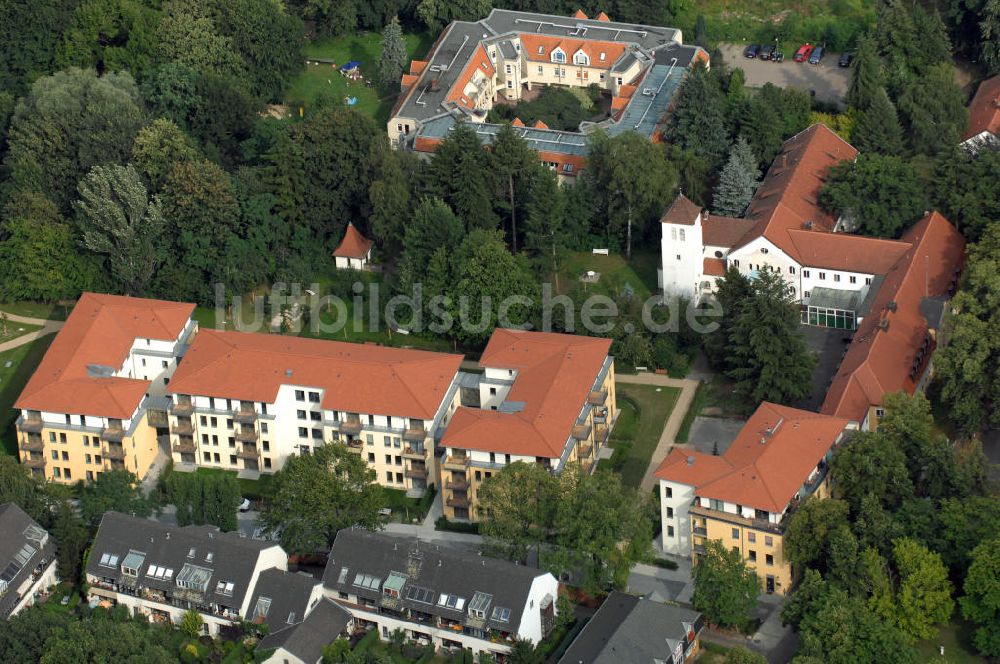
690 460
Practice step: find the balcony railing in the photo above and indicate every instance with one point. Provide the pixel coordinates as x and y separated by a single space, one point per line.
456 461
248 452
32 424
184 427
600 415
601 434
355 446
34 462
700 531
597 397
114 452
32 443
113 434
582 431
417 472
411 453
352 426
247 435
584 452
458 501
182 407
415 434
735 519
457 485
185 446
245 416
157 418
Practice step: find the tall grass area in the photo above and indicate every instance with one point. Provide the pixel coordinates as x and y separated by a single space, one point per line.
23 362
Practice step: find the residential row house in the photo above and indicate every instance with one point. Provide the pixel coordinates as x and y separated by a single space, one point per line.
745 497
247 402
97 400
27 561
542 398
438 595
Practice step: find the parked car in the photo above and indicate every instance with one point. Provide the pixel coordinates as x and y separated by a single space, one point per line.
845 59
245 505
777 56
803 53
751 51
816 55
766 52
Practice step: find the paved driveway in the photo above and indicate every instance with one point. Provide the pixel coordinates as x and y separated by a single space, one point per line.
828 80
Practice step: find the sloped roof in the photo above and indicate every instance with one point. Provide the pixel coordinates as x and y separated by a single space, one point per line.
355 377
984 111
307 639
714 267
287 597
768 462
788 197
353 245
23 546
682 211
879 361
555 373
719 231
845 251
100 331
538 48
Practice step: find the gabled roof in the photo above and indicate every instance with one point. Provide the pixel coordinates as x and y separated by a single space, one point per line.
984 111
307 639
788 198
280 598
885 349
719 231
100 332
768 462
354 244
538 48
355 377
227 557
555 374
682 211
845 251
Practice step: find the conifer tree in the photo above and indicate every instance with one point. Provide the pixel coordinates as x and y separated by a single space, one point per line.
878 129
390 65
867 75
738 181
698 122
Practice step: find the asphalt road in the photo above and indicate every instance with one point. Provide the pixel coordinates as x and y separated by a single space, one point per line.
829 81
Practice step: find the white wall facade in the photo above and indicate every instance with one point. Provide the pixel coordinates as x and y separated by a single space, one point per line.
681 254
677 498
29 593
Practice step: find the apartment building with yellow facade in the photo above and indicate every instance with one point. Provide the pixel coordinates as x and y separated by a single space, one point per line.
745 497
543 398
247 402
97 400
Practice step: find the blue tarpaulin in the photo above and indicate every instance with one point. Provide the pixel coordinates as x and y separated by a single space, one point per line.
353 64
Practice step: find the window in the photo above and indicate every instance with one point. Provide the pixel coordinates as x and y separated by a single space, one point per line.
753 556
602 56
670 531
399 461
822 276
493 391
670 512
211 403
805 294
215 440
371 457
301 414
208 457
62 438
673 233
300 395
317 434
510 84
388 459
399 478
682 235
229 424
87 458
66 474
736 533
52 436
267 462
805 273
670 492
618 80
303 432
507 69
558 56
97 459
541 50
263 427
204 421
388 476
768 540
55 472
214 421
763 250
218 458
836 277
751 537
55 455
853 279
769 559
540 69
163 364
314 397
65 455
232 459
791 269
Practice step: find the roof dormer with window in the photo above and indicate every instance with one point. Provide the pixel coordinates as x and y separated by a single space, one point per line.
581 58
558 55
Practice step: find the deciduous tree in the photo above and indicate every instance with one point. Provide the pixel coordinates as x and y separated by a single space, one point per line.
880 194
981 602
517 508
113 490
725 589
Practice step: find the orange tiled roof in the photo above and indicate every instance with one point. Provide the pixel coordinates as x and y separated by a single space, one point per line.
408 80
787 199
984 111
579 162
719 231
555 373
517 122
714 267
531 43
768 462
603 17
619 103
479 61
417 67
880 361
100 331
579 14
355 377
354 244
426 144
682 211
844 251
540 125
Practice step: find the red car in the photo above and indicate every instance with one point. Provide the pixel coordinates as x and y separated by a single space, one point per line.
804 52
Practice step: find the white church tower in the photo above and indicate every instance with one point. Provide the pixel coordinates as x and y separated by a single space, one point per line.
681 249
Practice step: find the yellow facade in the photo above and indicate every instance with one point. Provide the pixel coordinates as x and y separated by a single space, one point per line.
67 454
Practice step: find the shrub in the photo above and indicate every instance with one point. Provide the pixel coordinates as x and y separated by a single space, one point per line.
456 526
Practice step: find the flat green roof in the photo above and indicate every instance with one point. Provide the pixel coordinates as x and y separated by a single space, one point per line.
834 298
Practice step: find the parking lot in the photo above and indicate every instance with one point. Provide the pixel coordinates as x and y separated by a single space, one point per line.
829 81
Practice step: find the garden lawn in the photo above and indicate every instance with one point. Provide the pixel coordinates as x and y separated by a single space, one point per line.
253 489
644 410
615 271
36 309
24 360
406 509
326 80
956 637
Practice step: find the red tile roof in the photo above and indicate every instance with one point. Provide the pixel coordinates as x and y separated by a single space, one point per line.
355 377
719 231
540 125
579 162
555 373
426 144
100 331
682 211
787 199
579 14
984 111
531 43
844 251
886 346
417 66
714 267
766 465
516 122
354 244
407 81
603 17
479 61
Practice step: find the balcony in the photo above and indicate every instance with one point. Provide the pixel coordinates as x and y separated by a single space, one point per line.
597 397
415 434
32 442
736 520
247 435
245 416
584 452
157 418
184 427
457 484
458 501
182 407
185 446
355 446
411 453
700 531
114 452
248 452
601 434
34 461
416 472
582 431
113 434
31 424
352 426
600 415
456 461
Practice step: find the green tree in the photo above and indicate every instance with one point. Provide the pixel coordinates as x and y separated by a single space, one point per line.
811 531
222 117
524 652
436 14
737 182
923 593
734 290
866 75
981 602
770 359
517 508
19 486
743 656
390 197
460 174
100 639
191 623
698 122
393 58
933 108
989 45
315 495
158 147
871 465
69 123
171 92
266 38
111 35
516 166
963 191
30 33
546 228
880 194
188 35
113 490
118 220
963 524
433 225
725 589
878 129
71 537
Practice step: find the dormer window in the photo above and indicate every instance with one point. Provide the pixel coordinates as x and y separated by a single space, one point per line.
580 58
558 55
603 56
541 50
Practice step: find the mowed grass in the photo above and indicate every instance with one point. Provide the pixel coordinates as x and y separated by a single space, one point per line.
956 637
644 410
23 362
325 80
616 272
45 310
253 489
